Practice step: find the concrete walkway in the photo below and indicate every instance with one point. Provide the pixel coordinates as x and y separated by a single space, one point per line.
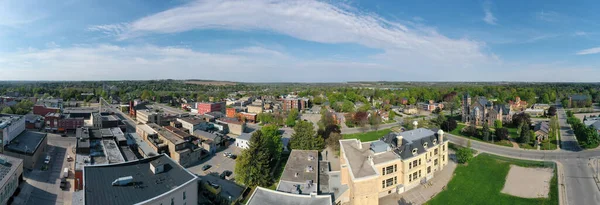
422 193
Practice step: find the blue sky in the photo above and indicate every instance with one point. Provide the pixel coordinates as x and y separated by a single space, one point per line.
300 41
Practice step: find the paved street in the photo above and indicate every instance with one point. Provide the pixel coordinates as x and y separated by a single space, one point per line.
42 187
567 139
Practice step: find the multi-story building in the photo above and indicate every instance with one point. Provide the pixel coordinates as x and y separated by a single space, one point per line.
430 106
482 111
255 108
185 150
295 103
206 107
395 163
191 124
61 123
10 127
153 180
43 110
234 126
11 174
147 116
28 146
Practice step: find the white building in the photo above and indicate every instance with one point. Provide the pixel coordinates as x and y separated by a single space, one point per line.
10 127
11 172
243 141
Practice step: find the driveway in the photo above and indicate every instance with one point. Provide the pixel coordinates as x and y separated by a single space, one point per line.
219 164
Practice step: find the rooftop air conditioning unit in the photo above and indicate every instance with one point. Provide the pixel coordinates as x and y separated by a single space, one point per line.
122 181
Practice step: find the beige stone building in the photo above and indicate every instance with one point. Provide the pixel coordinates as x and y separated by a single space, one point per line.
146 116
396 163
255 108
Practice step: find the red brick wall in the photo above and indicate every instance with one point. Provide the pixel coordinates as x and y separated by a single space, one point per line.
42 110
230 112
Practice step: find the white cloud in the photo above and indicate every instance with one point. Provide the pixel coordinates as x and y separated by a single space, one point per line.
549 16
258 50
589 51
52 44
404 47
489 16
580 33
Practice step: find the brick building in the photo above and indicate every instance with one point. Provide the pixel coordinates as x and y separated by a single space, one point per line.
211 107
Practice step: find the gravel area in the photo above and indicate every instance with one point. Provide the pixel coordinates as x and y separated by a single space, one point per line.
528 182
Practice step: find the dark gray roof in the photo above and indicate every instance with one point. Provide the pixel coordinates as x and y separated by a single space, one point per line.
483 101
379 146
505 109
98 180
26 143
262 196
543 127
411 139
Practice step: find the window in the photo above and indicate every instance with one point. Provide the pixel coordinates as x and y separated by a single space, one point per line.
415 163
434 141
383 184
172 201
389 182
419 173
383 171
409 165
443 158
435 151
414 151
415 176
395 180
425 144
428 170
389 170
184 195
444 148
409 178
395 168
435 162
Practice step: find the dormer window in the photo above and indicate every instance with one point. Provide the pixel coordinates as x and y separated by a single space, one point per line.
434 141
414 151
425 144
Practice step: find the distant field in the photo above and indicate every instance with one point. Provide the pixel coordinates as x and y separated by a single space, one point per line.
217 83
368 136
481 182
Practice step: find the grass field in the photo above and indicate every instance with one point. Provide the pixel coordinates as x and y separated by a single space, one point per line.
368 136
481 182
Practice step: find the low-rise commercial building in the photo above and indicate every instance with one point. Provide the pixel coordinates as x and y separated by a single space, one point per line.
192 123
10 127
11 175
43 110
205 107
255 108
534 112
28 146
147 116
243 141
395 163
185 151
153 180
301 173
264 196
234 126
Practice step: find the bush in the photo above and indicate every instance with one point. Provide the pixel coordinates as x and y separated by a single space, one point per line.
463 155
449 125
502 133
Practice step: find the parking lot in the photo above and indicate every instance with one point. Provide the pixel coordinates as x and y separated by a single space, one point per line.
219 164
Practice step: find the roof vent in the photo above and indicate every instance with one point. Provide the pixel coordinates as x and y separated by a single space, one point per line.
122 181
296 174
309 169
311 158
157 167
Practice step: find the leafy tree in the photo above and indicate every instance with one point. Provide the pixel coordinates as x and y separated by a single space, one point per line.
305 138
464 155
412 100
497 124
333 141
552 111
272 138
502 133
253 165
449 125
265 118
375 121
7 110
486 132
437 110
525 134
291 118
392 115
521 118
439 120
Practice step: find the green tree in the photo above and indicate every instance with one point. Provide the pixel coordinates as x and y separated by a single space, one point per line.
265 118
502 133
272 138
464 155
375 121
392 115
525 134
486 132
412 100
333 141
449 125
305 138
7 110
253 165
497 124
291 118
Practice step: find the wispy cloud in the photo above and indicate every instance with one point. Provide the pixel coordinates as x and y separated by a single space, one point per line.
406 46
489 16
549 16
20 12
580 33
589 51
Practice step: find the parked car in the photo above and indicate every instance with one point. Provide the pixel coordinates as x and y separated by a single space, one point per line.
69 158
232 156
47 160
225 174
226 154
206 167
63 183
63 135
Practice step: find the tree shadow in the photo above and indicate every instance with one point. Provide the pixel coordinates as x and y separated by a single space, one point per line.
403 201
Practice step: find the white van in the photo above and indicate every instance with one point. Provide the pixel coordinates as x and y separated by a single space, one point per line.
66 172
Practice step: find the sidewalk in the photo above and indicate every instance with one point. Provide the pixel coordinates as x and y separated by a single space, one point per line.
422 194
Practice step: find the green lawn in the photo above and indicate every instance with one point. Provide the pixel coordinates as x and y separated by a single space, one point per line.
481 182
368 136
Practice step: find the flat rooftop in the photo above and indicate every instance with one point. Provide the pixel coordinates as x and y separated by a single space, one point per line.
263 196
192 120
302 168
112 152
109 118
147 185
8 166
172 137
7 120
142 145
26 143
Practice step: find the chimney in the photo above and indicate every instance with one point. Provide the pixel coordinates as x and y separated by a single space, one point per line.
415 123
399 140
441 136
430 101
